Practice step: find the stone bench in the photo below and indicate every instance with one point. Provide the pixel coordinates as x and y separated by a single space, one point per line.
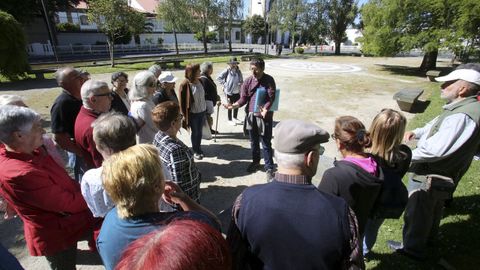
406 98
432 74
40 73
163 62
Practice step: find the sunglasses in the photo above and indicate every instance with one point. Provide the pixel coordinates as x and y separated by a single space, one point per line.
104 95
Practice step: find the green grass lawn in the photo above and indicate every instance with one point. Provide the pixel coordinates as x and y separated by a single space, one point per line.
459 239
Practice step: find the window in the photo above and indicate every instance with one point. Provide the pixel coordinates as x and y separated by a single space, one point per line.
237 35
83 20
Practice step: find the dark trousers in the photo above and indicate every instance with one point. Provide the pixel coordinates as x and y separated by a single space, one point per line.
63 260
196 124
232 99
422 218
266 140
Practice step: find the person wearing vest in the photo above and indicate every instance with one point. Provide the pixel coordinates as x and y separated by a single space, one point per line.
288 223
445 147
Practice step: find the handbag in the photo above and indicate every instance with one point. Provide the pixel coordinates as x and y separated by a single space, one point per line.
206 133
393 197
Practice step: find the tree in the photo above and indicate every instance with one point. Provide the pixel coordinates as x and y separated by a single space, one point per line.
232 9
205 13
255 25
315 22
340 14
287 15
176 16
13 63
112 18
391 26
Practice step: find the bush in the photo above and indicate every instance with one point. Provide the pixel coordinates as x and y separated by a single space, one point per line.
159 41
68 27
211 36
13 60
299 50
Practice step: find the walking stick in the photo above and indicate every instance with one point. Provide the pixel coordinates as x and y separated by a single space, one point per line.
216 125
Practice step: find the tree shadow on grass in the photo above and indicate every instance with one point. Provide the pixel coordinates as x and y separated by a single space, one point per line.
457 244
28 84
411 71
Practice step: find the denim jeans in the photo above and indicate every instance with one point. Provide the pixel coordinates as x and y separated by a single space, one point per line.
196 124
77 164
422 218
370 236
266 140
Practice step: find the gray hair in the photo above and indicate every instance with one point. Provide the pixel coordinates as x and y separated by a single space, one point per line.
114 131
15 118
154 69
205 66
90 88
473 89
11 100
289 161
141 81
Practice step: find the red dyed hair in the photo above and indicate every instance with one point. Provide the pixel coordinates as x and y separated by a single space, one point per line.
191 70
182 245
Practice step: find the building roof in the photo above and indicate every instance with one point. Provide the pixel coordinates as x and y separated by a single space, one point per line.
144 6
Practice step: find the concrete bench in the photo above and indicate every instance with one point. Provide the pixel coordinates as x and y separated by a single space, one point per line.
406 98
432 74
40 73
163 62
247 57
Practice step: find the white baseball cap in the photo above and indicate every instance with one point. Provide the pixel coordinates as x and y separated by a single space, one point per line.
167 77
468 75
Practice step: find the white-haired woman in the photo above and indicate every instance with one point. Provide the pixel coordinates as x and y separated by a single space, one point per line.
141 93
49 202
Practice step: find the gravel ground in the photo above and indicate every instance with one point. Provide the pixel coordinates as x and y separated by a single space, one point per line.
313 89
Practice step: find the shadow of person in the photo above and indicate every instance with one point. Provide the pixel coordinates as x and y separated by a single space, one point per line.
226 151
210 171
219 199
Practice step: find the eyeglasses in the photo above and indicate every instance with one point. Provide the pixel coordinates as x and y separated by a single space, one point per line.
333 136
109 94
180 117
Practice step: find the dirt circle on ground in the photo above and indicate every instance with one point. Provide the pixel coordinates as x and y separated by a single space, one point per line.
310 67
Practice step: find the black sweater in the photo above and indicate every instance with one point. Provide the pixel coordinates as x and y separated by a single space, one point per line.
355 185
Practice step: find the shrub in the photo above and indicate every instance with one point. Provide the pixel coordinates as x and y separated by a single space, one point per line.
299 50
13 60
68 27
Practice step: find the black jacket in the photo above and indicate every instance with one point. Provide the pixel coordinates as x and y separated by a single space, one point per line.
118 105
356 186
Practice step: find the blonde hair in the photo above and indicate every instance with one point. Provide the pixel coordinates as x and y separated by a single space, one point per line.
134 180
387 131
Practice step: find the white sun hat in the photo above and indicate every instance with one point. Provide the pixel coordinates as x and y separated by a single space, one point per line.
468 75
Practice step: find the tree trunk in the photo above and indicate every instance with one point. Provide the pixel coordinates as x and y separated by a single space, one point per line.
337 47
429 61
110 50
176 41
204 34
230 18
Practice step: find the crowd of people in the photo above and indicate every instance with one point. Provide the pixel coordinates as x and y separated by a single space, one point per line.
134 188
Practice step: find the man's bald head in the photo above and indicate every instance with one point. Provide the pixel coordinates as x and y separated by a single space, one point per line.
70 79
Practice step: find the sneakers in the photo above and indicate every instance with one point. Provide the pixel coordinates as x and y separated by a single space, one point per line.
198 156
253 167
231 123
214 131
238 121
270 175
399 249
